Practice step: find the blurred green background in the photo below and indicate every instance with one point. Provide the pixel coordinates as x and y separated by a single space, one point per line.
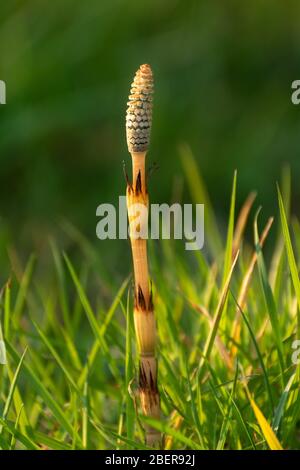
223 74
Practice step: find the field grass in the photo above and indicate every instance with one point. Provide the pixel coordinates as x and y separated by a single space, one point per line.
226 321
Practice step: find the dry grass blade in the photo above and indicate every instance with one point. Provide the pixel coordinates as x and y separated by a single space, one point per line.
176 420
265 427
241 222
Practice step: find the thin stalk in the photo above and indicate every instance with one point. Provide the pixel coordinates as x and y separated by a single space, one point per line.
138 126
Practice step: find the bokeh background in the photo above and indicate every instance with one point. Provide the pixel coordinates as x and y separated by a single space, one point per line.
223 74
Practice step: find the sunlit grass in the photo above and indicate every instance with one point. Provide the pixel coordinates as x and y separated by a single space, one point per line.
227 318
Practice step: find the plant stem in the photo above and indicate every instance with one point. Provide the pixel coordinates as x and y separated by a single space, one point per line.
137 193
144 319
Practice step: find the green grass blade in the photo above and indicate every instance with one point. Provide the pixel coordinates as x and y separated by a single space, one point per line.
13 439
7 311
50 442
130 414
85 303
216 321
61 287
12 388
166 429
289 249
85 416
96 346
23 291
92 318
269 300
227 414
131 443
40 389
281 405
259 355
230 232
56 356
240 419
26 441
194 410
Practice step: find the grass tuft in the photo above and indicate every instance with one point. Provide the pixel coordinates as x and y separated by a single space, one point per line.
69 381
